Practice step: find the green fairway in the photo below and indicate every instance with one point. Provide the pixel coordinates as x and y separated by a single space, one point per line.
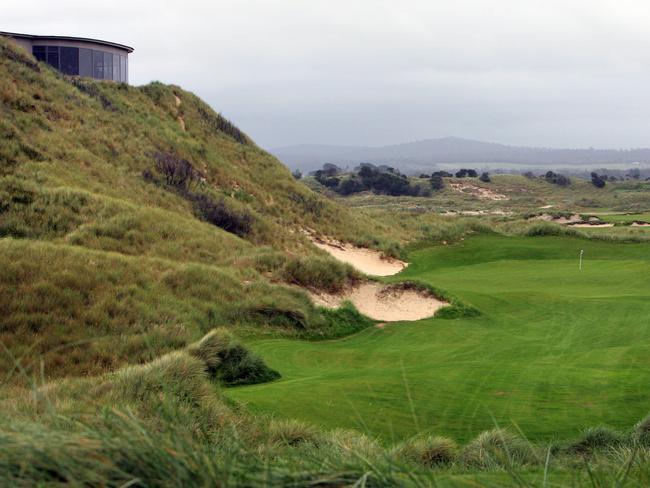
555 349
624 218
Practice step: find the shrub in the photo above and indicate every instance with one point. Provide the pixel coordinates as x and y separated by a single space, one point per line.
596 438
557 179
496 448
548 229
229 361
221 124
598 181
485 177
178 172
218 213
318 273
239 366
429 451
437 182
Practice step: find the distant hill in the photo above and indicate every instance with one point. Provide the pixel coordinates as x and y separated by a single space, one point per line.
426 154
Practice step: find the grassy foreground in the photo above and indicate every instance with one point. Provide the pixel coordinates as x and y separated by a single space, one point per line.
556 350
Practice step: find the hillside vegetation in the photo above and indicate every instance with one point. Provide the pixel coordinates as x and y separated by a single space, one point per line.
125 233
154 320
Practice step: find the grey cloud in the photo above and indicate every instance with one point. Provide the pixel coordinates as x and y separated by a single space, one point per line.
372 72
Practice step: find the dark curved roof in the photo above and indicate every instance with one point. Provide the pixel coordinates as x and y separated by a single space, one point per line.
67 38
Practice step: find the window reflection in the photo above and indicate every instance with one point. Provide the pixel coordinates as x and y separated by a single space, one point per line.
91 63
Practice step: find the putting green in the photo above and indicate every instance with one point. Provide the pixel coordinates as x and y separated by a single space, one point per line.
555 349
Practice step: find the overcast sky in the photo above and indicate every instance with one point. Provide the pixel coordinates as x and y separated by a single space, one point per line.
545 73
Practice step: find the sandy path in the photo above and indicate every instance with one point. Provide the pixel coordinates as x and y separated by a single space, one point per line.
367 261
379 302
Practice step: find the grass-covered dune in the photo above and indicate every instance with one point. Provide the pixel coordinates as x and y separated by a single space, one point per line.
135 219
555 349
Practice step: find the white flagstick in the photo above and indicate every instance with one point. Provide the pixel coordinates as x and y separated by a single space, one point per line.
581 251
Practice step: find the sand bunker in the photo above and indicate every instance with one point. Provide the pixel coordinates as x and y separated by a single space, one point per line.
477 191
588 225
387 303
573 219
367 261
640 224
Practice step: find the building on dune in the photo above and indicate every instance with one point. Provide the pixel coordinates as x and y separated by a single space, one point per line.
78 56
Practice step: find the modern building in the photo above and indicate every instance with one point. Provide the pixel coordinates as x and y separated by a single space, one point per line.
78 56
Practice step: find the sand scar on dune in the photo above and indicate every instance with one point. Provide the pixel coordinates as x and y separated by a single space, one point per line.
478 192
367 261
388 303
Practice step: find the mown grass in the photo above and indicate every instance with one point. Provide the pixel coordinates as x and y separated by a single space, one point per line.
554 350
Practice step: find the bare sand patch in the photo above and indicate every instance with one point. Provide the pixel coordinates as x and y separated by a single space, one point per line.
388 303
475 213
588 225
366 260
573 219
640 224
477 191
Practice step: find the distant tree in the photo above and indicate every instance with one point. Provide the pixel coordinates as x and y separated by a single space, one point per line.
557 178
297 174
530 175
437 183
330 169
597 181
485 177
471 173
442 174
425 176
350 186
461 173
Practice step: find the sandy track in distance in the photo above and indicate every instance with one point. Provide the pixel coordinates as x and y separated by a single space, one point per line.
380 302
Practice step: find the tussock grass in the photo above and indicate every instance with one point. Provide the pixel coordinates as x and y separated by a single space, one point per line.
430 451
498 448
322 274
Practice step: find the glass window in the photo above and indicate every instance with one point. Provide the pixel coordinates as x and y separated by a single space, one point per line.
53 56
70 60
39 53
108 66
124 69
98 65
116 67
85 62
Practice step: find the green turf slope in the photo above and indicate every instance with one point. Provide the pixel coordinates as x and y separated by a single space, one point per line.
554 351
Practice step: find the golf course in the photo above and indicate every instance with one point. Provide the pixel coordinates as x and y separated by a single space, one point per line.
556 349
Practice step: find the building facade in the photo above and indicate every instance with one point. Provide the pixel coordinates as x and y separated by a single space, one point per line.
78 56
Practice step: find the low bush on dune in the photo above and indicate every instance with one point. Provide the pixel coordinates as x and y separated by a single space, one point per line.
321 274
497 448
224 216
230 362
548 229
429 451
